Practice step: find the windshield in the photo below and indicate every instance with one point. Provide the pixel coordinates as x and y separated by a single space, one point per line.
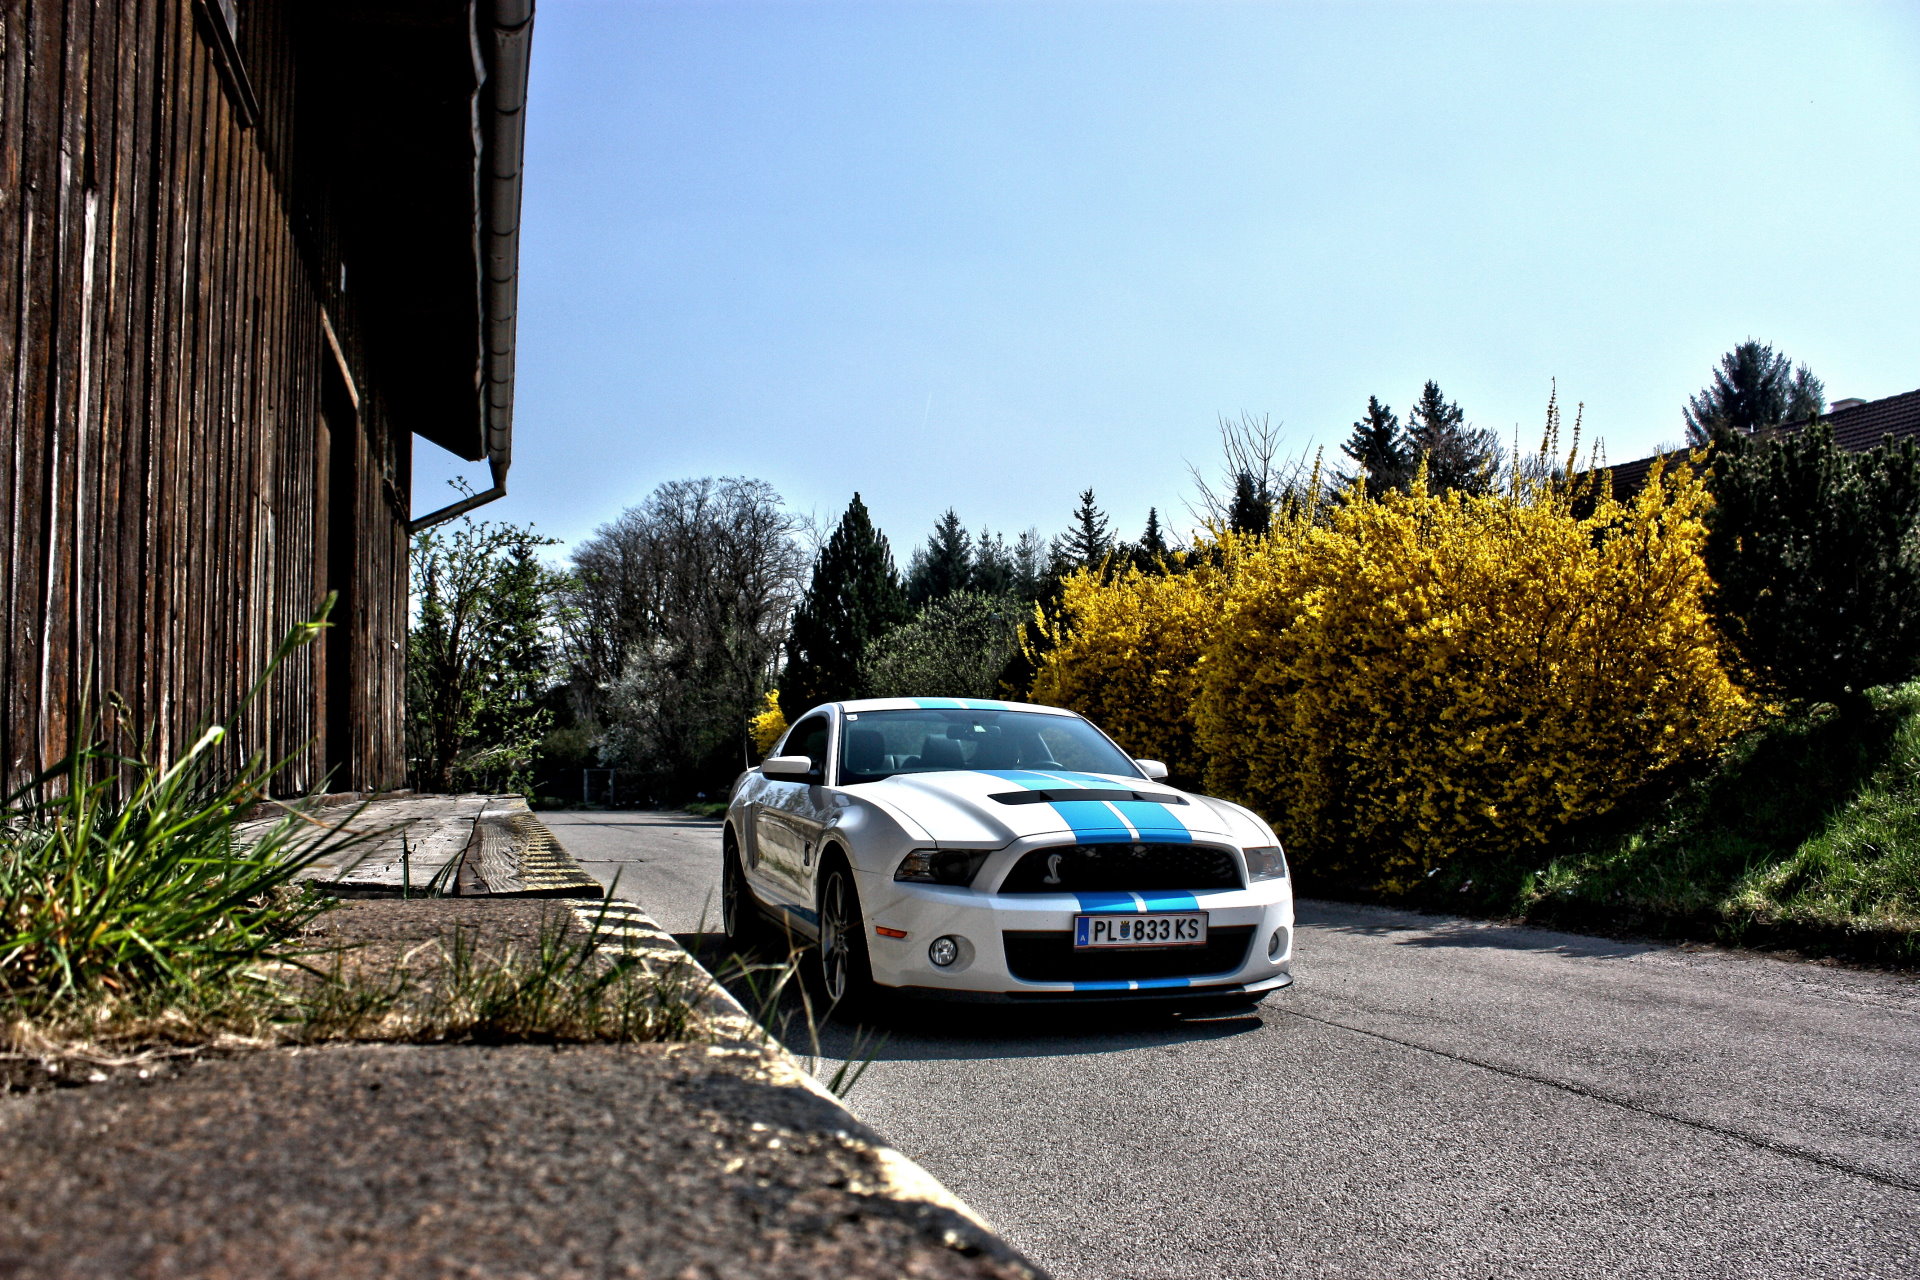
879 744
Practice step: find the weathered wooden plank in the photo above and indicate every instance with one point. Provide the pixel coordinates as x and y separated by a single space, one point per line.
13 219
43 33
164 480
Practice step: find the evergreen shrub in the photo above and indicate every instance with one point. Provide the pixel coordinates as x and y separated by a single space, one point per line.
1815 556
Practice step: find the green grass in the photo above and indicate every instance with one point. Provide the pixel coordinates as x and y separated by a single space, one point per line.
1806 834
706 808
121 879
567 988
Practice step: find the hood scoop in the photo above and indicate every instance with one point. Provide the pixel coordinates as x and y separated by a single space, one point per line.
1115 796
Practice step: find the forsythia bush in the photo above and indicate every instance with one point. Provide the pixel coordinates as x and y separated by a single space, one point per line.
1131 661
768 724
1413 677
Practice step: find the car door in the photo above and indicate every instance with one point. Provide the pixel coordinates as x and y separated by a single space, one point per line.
788 818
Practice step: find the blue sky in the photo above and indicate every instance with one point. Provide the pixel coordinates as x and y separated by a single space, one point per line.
987 255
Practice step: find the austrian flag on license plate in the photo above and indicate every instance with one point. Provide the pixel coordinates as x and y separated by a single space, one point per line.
1166 929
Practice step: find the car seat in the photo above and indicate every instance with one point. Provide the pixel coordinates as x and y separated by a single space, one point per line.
866 751
941 753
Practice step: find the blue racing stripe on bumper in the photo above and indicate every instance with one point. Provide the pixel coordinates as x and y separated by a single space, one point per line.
1168 900
1104 903
1142 984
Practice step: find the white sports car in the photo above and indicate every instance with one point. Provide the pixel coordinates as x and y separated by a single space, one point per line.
1000 851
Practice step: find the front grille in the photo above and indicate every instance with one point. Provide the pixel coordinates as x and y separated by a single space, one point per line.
1122 868
1048 956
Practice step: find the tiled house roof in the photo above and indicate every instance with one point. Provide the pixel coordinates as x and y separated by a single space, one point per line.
1856 428
1863 426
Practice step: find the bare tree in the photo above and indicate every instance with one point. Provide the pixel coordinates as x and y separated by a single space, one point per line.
674 623
1253 476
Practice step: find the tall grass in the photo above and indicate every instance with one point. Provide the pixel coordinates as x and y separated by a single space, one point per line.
121 878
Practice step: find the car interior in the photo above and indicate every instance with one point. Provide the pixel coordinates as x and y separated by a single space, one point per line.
951 746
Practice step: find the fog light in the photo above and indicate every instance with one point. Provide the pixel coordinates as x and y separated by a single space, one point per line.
1277 944
944 951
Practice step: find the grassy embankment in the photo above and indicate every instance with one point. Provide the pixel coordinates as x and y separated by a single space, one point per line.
1804 834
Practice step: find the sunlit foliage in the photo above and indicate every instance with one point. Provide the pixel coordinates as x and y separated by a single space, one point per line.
1400 680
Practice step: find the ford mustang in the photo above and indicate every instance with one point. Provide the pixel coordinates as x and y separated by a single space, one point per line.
983 850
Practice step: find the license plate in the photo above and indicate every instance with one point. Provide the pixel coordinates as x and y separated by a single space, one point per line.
1182 929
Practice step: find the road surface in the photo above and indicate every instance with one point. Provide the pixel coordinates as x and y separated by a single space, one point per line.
1434 1097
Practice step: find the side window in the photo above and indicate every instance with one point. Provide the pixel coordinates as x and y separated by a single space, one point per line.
809 739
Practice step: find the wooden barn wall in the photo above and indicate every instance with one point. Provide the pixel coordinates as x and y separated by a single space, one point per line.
164 481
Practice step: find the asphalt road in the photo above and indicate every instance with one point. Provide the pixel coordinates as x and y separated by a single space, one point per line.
1434 1097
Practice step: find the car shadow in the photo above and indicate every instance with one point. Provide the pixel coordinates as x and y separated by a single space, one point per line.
1414 929
901 1029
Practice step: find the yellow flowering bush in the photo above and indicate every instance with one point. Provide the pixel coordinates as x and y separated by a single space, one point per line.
1126 655
768 723
1414 677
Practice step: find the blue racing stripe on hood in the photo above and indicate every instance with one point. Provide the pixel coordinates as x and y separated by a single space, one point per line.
1156 823
1098 821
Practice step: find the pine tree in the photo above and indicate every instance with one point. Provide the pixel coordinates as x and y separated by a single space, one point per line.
1088 541
1030 575
1252 509
1380 450
1151 551
992 572
1754 389
854 598
1457 456
944 565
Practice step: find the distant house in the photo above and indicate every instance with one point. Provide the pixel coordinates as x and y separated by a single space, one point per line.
1858 425
249 249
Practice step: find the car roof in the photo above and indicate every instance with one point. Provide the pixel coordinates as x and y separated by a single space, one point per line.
948 704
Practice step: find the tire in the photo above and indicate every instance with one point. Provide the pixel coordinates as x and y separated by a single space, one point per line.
740 914
840 959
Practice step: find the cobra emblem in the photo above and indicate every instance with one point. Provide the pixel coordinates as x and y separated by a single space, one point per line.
1053 868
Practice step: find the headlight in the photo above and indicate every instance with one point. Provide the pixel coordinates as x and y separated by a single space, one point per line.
1266 863
941 866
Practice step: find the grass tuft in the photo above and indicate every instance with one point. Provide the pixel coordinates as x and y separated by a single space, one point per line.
121 879
565 989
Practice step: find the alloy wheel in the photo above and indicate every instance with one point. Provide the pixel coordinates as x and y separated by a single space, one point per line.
731 896
835 925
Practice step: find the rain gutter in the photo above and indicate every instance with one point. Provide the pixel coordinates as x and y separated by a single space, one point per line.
502 48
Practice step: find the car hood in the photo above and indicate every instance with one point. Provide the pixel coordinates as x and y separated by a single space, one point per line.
986 809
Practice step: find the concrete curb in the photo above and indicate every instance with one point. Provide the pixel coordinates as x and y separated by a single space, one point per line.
902 1180
421 845
512 855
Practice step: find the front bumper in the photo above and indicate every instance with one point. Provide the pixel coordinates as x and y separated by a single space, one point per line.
1036 964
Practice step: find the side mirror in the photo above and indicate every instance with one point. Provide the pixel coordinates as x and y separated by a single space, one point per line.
792 768
1154 770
